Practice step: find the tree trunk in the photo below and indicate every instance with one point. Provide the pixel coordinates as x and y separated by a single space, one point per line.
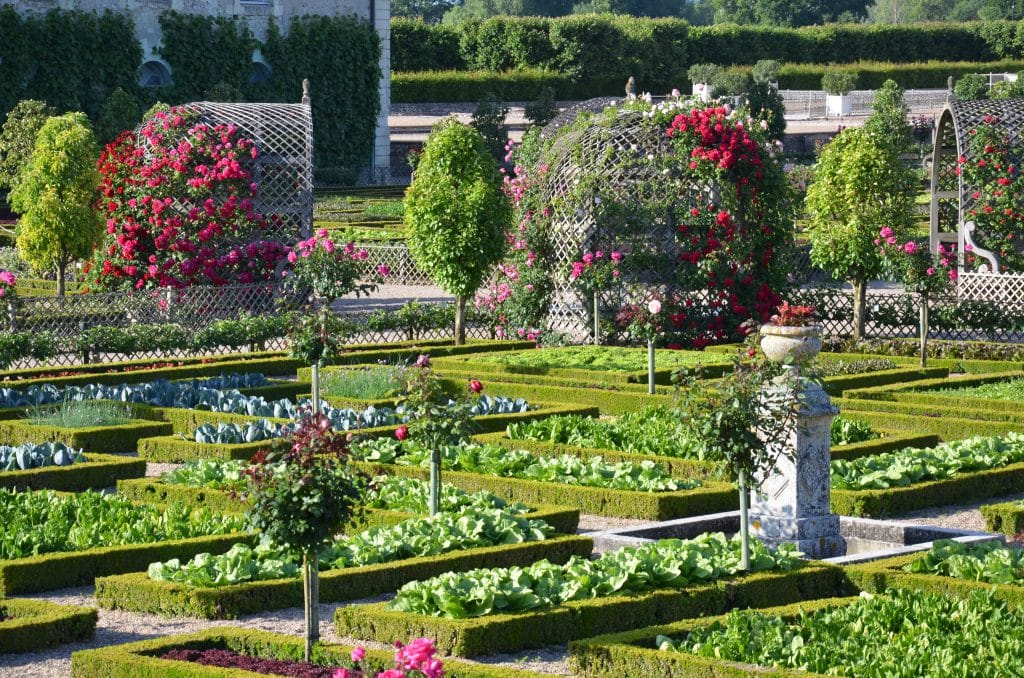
460 320
860 291
61 268
311 596
924 330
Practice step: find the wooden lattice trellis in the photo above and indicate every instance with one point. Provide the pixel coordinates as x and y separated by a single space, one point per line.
952 198
283 133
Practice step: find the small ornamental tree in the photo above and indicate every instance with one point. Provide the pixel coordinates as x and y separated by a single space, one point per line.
54 194
301 497
888 119
18 137
120 112
860 187
177 198
456 213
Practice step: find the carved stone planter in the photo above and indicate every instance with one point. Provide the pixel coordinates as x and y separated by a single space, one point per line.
790 345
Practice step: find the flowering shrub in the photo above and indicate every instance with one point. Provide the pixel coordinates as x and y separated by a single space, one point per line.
594 272
642 321
177 197
921 271
993 172
415 660
8 281
790 315
716 185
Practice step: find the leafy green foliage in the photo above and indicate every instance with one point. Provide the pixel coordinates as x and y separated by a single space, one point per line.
989 561
54 193
31 455
847 431
235 434
888 119
838 82
489 121
49 522
655 430
903 634
499 461
80 414
369 383
971 87
836 368
121 111
225 43
670 563
606 358
766 104
414 538
409 495
912 465
18 138
456 212
1012 389
543 110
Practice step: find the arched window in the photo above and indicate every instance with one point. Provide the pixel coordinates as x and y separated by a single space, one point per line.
154 74
260 73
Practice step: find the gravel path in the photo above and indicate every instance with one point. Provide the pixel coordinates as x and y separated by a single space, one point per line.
960 516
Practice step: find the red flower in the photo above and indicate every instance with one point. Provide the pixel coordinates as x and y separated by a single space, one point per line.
402 432
475 386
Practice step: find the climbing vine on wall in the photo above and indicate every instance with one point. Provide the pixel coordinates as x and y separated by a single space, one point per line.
226 46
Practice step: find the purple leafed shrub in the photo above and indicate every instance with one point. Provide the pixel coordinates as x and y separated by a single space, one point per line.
232 660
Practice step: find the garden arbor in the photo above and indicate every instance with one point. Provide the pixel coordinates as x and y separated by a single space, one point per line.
975 195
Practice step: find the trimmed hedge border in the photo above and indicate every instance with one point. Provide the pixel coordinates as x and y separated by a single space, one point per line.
495 634
633 653
542 380
879 575
101 470
51 571
711 497
971 366
694 468
40 624
122 438
138 593
563 519
945 426
959 489
175 449
1006 517
841 385
661 376
141 659
184 422
953 408
604 401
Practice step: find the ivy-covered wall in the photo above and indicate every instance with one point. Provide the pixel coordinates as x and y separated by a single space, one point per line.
74 60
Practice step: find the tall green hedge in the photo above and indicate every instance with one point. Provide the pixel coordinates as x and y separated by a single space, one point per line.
75 59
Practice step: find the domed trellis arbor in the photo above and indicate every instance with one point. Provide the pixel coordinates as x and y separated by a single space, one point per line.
952 198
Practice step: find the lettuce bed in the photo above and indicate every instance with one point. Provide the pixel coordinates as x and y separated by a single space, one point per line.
141 659
33 625
506 610
902 634
138 592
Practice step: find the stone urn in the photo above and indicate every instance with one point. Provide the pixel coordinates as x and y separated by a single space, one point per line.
790 345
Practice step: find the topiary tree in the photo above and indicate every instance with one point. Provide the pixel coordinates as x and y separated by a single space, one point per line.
18 137
970 87
860 188
456 213
766 104
120 111
54 194
489 121
888 119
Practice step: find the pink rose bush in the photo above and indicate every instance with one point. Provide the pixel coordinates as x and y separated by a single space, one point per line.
178 201
594 271
916 267
415 660
7 284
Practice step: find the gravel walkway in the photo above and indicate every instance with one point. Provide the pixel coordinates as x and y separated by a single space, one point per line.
960 516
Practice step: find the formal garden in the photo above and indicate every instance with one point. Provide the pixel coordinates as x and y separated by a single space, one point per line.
694 408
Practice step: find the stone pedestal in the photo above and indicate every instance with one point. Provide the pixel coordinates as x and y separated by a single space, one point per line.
792 504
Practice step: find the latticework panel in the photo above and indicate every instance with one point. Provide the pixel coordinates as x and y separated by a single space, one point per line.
1006 288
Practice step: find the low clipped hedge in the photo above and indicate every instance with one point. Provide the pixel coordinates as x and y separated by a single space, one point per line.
38 624
484 369
840 385
562 518
138 593
108 439
1006 517
276 390
184 422
455 370
634 652
101 470
602 400
711 497
51 571
408 351
176 448
141 659
494 634
879 575
923 394
947 425
961 488
695 468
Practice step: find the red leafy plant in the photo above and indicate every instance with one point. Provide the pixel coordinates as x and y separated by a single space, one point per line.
791 315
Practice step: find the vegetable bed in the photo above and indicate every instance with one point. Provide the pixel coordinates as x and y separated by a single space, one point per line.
122 438
622 489
483 612
141 659
32 625
53 540
903 634
909 479
93 471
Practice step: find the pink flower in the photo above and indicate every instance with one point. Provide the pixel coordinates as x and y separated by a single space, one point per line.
910 247
423 361
931 270
654 306
616 256
383 270
886 232
402 432
358 654
292 257
8 278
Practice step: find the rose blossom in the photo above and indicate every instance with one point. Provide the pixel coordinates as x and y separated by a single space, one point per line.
358 654
475 386
654 306
402 432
